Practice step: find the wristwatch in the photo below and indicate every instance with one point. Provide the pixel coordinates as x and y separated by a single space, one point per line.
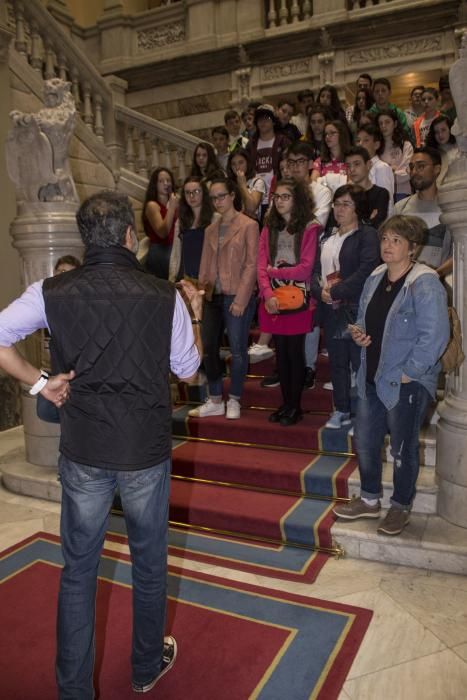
40 384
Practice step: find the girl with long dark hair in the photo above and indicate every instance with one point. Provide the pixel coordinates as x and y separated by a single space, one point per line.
194 215
228 275
252 186
335 146
160 210
205 163
286 257
396 150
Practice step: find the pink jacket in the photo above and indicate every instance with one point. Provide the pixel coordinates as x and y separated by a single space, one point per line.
300 272
287 324
235 262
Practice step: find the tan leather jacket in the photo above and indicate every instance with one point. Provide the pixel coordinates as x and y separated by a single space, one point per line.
234 262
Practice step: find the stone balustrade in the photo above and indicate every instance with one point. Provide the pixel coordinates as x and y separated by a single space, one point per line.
50 52
150 144
135 141
281 12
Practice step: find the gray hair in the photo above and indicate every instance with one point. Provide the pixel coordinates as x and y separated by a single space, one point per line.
103 219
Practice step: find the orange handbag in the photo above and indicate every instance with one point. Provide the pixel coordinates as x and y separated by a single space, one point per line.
290 298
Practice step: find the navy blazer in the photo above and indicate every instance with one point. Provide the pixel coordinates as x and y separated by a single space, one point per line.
359 255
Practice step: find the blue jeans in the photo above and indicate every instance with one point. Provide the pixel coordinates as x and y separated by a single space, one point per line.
311 347
342 355
87 495
216 317
403 422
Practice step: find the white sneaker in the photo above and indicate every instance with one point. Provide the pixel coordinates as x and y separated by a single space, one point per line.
258 353
328 386
233 409
338 420
208 408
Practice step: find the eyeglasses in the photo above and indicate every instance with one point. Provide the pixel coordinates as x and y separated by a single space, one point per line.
192 193
298 161
218 197
418 166
344 205
285 197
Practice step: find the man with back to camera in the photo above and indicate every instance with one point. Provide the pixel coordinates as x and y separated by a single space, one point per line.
116 333
424 167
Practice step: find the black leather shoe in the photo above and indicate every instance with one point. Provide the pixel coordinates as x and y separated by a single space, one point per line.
290 417
276 416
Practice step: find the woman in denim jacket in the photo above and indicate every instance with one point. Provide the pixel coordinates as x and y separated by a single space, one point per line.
403 329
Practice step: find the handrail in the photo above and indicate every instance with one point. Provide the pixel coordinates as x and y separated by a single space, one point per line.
43 24
156 129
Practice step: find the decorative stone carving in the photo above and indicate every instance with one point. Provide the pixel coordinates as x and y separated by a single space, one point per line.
397 49
326 67
451 462
157 37
285 70
458 85
37 147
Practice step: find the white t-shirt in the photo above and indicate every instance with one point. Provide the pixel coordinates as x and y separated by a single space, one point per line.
381 174
263 164
330 252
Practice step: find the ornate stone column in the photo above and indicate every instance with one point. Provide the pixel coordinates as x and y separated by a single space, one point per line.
451 459
45 226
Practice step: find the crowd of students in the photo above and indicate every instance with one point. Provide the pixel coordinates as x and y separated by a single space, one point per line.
292 196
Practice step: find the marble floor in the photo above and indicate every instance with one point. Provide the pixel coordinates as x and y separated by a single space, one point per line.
415 647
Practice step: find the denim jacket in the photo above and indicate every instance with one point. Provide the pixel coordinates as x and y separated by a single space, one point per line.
415 334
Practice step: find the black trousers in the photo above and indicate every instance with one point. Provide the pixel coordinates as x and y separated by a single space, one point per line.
290 357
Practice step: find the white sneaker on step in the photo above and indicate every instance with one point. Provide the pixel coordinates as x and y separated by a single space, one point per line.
258 353
208 408
232 409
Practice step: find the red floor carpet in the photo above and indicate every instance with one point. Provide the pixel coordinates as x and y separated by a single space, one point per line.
236 642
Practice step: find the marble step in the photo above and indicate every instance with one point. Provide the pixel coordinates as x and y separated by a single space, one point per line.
428 542
427 488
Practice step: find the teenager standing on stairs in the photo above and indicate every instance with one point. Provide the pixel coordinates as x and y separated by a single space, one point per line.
228 274
286 256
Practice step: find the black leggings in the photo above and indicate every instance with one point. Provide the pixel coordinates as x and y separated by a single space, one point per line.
290 356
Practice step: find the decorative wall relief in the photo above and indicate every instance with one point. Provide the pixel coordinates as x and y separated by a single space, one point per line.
285 70
37 147
156 37
397 49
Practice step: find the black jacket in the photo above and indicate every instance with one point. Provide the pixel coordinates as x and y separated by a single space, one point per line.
112 324
358 257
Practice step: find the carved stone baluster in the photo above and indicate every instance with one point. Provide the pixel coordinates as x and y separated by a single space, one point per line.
87 115
130 151
20 41
98 121
307 9
167 156
283 13
36 45
142 163
295 11
272 14
181 155
75 88
62 67
49 62
154 154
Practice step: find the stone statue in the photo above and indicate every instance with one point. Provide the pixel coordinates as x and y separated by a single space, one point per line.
458 85
37 147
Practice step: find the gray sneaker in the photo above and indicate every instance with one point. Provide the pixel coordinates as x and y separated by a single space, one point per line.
394 522
357 509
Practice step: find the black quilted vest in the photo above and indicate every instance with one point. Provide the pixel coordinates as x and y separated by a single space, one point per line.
112 323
